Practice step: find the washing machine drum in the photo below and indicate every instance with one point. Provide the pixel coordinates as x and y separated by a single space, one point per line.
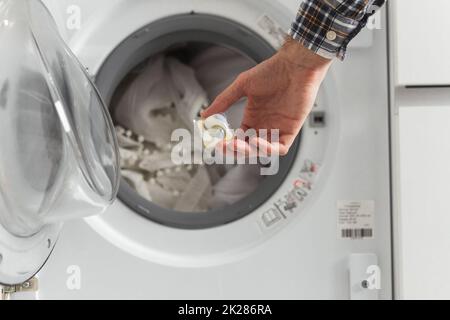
58 155
156 82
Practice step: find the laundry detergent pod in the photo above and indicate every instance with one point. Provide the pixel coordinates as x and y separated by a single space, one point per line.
213 130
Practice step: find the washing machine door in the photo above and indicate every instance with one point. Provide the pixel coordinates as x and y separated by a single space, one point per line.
58 150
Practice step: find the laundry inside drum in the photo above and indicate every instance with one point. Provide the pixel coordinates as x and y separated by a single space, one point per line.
157 80
164 93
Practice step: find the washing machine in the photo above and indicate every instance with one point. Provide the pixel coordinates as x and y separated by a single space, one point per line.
318 229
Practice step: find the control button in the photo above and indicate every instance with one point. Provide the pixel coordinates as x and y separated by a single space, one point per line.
300 194
271 217
317 119
287 204
331 35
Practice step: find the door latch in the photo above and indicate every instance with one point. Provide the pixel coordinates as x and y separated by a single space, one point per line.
7 292
365 277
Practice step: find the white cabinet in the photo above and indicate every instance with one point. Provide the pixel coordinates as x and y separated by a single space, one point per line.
419 54
420 41
422 220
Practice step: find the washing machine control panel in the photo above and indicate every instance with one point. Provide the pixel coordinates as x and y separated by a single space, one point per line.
289 204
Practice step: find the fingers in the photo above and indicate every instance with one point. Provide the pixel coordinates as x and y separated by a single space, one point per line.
226 99
254 148
266 148
234 147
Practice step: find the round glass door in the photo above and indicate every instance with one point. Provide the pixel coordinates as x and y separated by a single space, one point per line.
58 155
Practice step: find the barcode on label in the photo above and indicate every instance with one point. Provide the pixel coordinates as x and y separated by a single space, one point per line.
356 233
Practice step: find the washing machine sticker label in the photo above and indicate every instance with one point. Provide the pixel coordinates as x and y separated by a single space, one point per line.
289 204
355 219
272 28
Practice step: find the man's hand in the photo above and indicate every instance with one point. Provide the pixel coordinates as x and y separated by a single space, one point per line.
281 92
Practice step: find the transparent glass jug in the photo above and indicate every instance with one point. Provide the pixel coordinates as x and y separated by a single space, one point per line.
58 149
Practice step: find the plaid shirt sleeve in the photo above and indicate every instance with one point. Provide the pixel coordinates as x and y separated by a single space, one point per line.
327 26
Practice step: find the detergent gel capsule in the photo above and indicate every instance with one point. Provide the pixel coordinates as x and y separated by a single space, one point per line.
213 130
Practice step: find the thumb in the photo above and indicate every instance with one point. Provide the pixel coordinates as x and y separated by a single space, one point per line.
226 99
